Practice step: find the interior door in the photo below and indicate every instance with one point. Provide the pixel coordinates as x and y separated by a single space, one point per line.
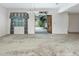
49 21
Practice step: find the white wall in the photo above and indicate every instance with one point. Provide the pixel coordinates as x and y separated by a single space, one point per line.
3 21
60 23
31 23
73 22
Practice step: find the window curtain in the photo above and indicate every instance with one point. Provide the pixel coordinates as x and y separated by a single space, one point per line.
22 15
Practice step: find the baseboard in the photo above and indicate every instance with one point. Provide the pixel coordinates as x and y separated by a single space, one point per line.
59 33
3 35
73 32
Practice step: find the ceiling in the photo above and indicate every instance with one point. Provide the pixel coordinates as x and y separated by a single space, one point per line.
61 7
74 9
33 5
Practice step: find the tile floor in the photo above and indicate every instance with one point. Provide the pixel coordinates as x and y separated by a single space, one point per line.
40 45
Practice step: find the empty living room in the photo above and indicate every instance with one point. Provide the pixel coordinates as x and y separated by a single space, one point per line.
39 29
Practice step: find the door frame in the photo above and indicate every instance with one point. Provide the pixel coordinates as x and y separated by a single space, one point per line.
52 25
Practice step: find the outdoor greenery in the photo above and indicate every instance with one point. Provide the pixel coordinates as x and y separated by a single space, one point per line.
40 22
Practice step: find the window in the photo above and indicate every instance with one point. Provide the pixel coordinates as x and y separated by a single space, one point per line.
18 21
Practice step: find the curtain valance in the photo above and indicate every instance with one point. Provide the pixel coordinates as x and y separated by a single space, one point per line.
21 14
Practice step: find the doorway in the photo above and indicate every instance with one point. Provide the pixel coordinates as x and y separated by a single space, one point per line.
43 24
